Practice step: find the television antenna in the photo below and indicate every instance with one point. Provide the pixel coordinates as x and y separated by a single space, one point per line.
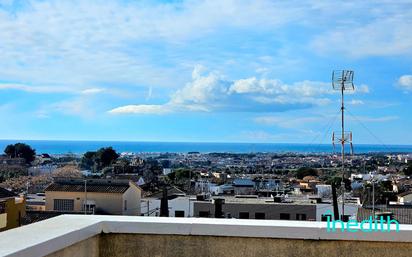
342 80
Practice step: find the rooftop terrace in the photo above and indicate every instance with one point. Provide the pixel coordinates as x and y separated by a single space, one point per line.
79 235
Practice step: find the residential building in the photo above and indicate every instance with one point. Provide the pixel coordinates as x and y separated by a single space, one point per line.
405 198
180 204
256 208
36 202
244 186
12 209
100 196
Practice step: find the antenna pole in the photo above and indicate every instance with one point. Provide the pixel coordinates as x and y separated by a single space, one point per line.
343 147
342 80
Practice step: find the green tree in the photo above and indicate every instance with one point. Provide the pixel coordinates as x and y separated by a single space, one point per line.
408 170
305 171
100 159
20 150
106 156
88 160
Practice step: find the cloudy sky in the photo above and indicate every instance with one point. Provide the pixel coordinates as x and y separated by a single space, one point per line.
227 71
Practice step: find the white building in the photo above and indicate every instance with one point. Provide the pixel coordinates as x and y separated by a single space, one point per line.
180 205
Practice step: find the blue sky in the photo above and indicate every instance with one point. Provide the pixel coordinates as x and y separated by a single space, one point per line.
221 71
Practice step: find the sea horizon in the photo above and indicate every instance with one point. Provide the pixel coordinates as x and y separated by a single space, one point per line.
82 146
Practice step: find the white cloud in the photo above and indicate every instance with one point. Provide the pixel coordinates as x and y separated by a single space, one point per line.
34 89
383 30
78 106
287 122
213 92
79 43
405 82
356 102
140 109
373 119
362 89
90 91
50 89
89 42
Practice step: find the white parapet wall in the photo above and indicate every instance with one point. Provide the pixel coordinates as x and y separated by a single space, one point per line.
49 236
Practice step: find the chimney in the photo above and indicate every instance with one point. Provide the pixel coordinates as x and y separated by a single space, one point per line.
219 207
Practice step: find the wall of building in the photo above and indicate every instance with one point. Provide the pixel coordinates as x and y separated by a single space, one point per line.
176 204
106 235
325 208
271 210
111 203
15 210
85 248
136 245
132 196
405 199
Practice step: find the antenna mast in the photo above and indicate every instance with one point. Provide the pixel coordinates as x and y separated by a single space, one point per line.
342 80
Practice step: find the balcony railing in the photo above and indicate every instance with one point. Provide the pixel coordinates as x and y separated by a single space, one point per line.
84 235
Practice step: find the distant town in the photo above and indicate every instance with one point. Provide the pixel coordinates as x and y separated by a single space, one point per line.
288 186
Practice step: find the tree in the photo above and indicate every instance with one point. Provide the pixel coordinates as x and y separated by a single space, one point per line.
304 171
408 170
183 174
102 158
20 150
88 160
106 156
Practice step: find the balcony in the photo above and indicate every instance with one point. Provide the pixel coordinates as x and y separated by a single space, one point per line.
92 235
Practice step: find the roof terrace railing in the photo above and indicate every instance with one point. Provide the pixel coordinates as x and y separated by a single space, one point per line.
49 236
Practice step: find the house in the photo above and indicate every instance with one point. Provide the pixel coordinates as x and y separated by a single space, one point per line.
244 186
100 196
179 204
253 207
308 183
36 202
12 209
405 198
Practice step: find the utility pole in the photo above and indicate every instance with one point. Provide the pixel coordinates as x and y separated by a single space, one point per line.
342 80
373 199
85 197
148 207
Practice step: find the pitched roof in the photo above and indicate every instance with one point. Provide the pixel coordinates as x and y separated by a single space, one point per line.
171 192
92 185
4 193
405 193
240 182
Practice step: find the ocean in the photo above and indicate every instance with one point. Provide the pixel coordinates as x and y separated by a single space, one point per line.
80 147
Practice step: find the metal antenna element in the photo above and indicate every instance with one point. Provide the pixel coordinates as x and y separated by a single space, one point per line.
342 80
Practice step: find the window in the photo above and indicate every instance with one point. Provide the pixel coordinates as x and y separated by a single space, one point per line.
285 216
300 216
125 205
63 205
179 213
2 207
260 215
243 215
204 214
325 217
